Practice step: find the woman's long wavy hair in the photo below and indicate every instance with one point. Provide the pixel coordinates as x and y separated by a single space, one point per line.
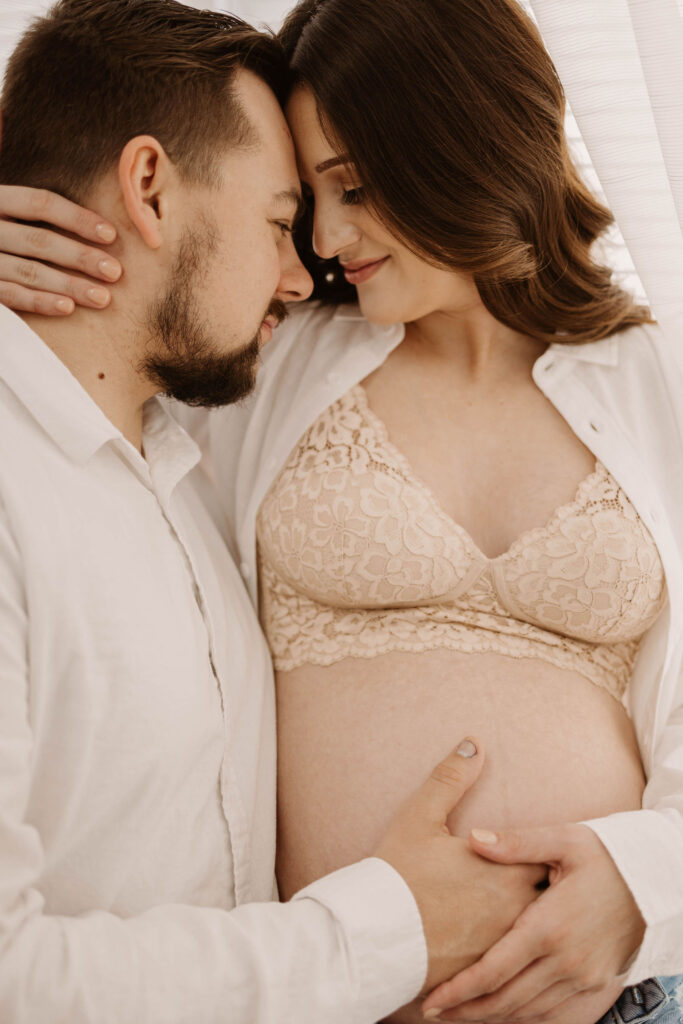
453 113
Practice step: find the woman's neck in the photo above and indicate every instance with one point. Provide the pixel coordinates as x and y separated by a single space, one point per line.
472 342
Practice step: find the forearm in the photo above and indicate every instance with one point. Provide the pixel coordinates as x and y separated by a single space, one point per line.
349 951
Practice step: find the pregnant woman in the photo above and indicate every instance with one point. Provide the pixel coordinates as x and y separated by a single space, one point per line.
459 506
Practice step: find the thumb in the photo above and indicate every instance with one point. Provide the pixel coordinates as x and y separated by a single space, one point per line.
448 783
523 845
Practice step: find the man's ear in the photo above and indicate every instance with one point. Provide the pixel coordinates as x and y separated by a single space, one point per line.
144 177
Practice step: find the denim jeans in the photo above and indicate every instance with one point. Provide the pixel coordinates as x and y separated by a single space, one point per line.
657 1000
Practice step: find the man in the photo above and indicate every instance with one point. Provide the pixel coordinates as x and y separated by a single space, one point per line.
137 761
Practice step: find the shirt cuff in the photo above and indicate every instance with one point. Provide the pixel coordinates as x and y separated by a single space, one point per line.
381 923
647 848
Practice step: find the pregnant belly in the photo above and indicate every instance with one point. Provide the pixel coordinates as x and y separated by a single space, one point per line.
357 737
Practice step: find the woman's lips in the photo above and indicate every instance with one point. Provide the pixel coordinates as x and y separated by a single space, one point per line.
359 273
267 328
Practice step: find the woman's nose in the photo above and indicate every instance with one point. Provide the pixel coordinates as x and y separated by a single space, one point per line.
332 235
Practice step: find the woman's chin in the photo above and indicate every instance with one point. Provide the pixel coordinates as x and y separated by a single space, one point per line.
382 313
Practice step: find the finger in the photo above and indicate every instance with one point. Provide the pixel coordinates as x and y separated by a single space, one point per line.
37 204
512 954
36 276
448 783
523 846
39 243
543 1004
23 300
507 1003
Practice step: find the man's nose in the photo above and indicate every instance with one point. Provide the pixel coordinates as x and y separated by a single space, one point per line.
296 284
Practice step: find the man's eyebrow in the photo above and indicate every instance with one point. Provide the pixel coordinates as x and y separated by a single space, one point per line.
293 197
334 161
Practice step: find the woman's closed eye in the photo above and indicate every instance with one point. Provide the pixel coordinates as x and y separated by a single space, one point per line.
353 196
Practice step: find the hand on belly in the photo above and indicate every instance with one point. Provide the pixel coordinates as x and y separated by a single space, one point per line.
575 939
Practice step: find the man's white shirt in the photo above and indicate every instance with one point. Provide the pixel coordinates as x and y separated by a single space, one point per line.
137 749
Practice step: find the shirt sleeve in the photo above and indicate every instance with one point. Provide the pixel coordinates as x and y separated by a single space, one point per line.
647 848
349 949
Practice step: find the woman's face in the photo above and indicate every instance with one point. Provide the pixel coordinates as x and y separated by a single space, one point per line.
394 285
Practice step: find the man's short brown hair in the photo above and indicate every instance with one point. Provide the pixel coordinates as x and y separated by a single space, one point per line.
92 74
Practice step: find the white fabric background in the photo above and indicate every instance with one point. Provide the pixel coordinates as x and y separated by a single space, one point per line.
621 63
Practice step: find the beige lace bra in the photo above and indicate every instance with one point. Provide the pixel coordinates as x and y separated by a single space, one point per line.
356 559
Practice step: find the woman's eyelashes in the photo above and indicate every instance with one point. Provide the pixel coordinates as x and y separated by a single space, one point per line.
353 196
349 196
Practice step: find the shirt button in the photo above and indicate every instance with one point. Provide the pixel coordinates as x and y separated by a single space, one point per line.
245 571
549 366
596 426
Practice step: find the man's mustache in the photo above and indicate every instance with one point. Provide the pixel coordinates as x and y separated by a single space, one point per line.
277 309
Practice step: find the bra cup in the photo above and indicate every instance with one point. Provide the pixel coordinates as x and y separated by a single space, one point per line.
373 543
596 578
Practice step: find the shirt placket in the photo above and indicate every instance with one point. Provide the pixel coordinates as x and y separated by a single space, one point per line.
232 805
171 456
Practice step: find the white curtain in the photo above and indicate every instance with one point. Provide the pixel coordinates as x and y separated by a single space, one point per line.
15 16
621 64
256 12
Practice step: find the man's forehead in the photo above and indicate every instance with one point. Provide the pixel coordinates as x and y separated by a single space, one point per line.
261 108
268 169
271 158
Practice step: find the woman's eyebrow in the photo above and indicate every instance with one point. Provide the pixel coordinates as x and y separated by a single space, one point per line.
334 161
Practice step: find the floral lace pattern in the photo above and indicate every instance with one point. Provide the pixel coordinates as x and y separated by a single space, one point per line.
357 559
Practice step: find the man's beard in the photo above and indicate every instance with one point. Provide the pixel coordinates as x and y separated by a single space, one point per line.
187 362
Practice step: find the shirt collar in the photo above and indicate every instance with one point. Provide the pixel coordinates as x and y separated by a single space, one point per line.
348 311
170 453
604 352
67 413
50 392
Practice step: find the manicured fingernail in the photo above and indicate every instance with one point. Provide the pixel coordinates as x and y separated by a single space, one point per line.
466 749
481 835
98 296
106 232
64 305
109 269
433 1014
